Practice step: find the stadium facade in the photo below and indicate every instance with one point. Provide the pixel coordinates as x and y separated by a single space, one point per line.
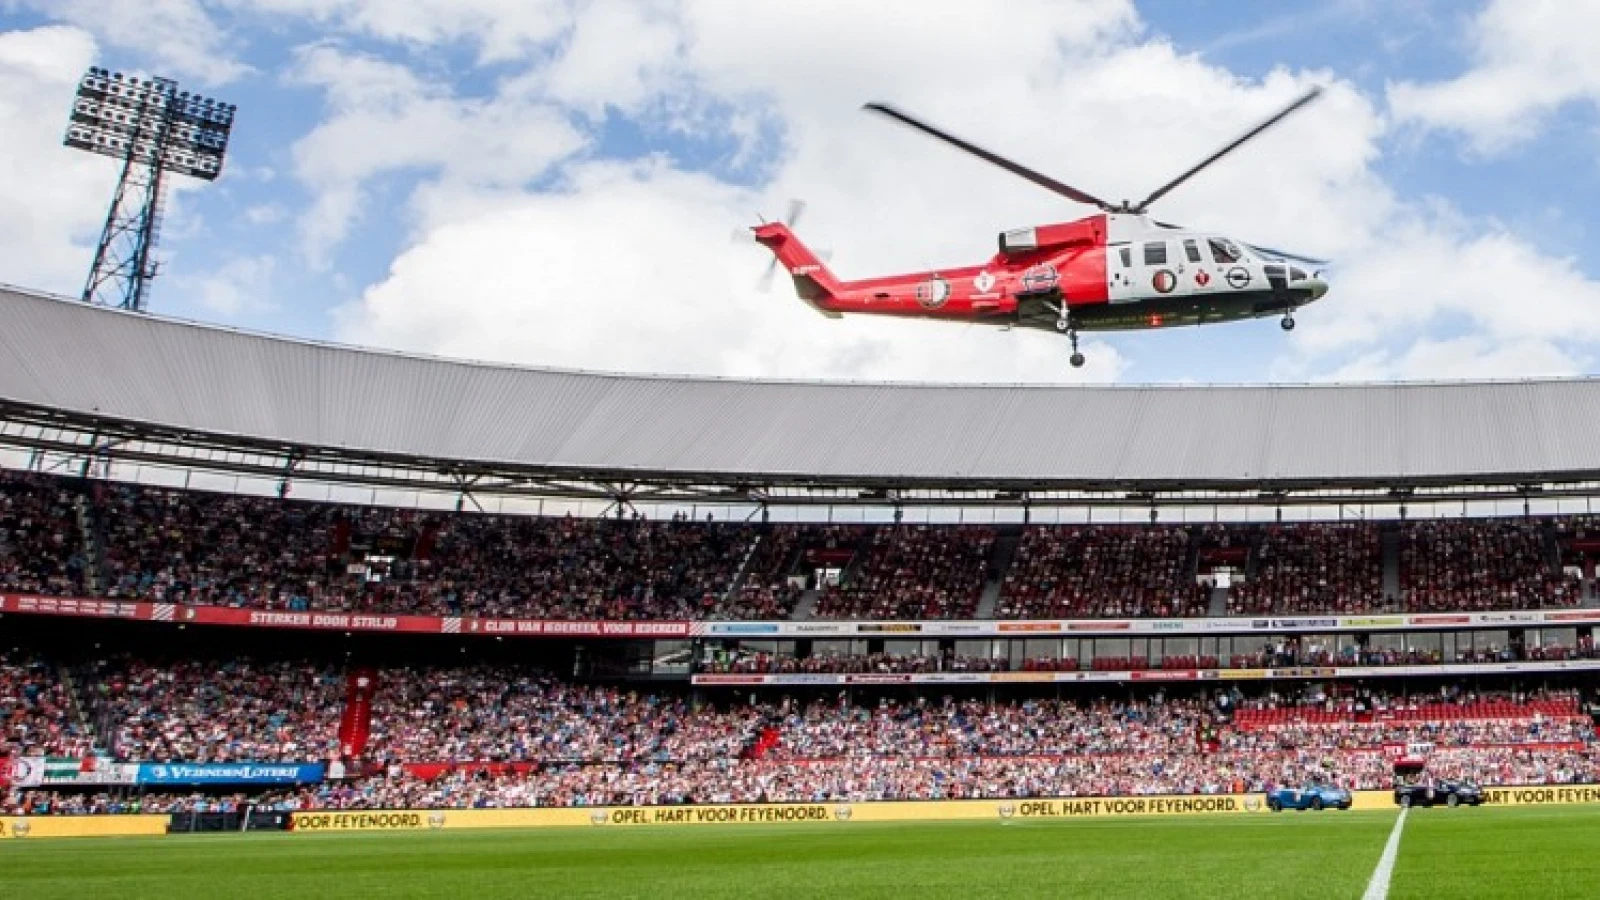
88 390
392 641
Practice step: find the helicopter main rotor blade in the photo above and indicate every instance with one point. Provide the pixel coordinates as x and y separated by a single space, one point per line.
1291 257
1282 114
1044 181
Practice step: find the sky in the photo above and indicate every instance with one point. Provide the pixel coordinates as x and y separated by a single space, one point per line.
558 182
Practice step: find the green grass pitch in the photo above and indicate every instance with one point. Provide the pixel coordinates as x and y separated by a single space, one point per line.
1507 852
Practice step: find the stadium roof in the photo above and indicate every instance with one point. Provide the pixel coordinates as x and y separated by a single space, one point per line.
141 386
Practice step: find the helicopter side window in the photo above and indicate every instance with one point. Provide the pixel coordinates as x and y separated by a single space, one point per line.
1223 251
1191 251
1127 257
1155 253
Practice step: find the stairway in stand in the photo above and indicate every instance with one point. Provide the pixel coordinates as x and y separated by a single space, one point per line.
355 725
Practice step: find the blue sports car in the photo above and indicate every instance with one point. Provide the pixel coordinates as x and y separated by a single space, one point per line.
1311 796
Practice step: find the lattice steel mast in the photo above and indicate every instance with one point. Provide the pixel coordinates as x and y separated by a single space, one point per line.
153 128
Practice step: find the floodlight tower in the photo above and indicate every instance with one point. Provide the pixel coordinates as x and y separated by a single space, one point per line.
153 129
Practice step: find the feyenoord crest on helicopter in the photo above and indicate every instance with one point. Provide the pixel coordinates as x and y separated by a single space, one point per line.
1118 270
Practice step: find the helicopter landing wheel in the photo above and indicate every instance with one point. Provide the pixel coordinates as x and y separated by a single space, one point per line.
1076 359
1287 324
1063 324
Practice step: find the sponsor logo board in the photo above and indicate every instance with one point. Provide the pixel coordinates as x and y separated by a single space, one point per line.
230 773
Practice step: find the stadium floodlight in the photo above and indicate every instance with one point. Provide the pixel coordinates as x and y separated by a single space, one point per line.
153 128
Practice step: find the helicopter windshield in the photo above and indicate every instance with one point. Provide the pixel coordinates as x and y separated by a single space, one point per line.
1224 250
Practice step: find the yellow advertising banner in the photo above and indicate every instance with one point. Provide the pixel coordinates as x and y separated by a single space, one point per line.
1059 808
82 826
779 813
1542 795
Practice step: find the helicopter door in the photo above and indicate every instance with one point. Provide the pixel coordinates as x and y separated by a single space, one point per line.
1196 273
1164 272
1122 276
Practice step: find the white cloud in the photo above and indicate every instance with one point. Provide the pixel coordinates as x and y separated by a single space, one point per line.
180 37
52 199
1530 58
637 273
631 269
385 119
589 72
243 285
503 30
634 269
266 214
1429 270
1464 357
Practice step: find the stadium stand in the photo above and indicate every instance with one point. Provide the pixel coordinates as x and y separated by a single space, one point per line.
69 537
496 735
220 549
915 572
511 735
402 721
41 537
766 590
37 717
502 714
214 710
1103 571
1312 568
1483 565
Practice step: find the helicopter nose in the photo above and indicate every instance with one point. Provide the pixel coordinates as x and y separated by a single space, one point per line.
1310 282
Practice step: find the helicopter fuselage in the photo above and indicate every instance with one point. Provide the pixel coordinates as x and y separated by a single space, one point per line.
1105 272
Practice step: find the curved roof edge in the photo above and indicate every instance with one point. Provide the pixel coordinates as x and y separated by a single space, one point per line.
63 357
10 289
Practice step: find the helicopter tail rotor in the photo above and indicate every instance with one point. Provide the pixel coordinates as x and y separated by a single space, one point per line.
796 207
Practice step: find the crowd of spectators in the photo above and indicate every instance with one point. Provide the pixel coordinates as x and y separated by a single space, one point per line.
236 550
241 710
499 714
571 568
219 549
202 711
915 572
247 551
36 712
47 802
41 540
1349 735
495 715
857 780
1450 565
1098 571
1312 568
505 736
767 592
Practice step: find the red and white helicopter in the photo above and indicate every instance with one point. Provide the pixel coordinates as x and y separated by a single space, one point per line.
1118 270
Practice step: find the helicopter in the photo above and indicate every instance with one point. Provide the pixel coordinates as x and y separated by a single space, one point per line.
1117 270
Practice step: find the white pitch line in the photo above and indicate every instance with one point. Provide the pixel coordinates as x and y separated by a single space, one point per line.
1378 887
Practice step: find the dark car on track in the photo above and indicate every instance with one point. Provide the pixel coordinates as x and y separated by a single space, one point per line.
1440 793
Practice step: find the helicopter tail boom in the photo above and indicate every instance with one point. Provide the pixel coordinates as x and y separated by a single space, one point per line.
813 281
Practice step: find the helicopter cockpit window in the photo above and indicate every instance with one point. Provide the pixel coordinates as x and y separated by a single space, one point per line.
1223 250
1191 251
1155 253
